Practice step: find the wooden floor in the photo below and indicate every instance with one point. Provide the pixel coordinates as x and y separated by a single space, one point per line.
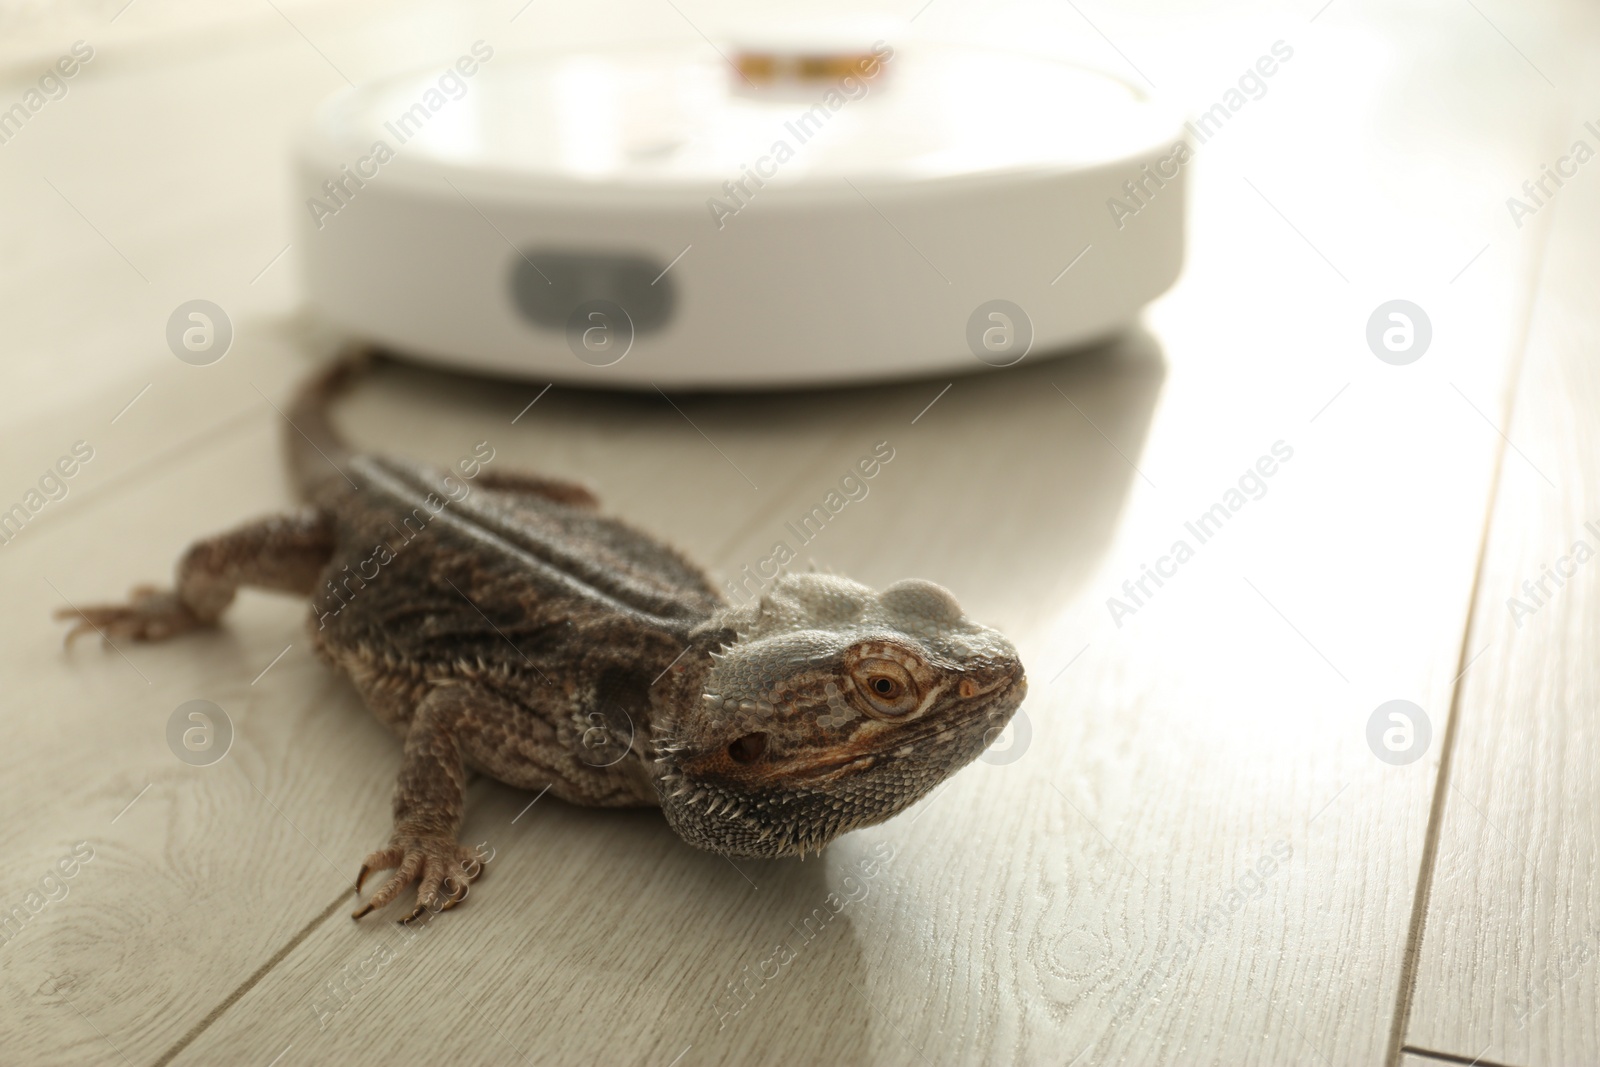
1186 851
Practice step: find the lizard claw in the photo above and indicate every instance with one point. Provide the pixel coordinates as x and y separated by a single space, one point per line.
458 893
434 862
151 614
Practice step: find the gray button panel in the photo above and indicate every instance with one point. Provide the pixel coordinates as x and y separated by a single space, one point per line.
548 286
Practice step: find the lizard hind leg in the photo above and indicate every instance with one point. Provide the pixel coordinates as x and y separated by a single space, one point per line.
284 553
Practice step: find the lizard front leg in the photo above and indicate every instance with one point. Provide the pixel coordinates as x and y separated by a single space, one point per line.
284 553
428 807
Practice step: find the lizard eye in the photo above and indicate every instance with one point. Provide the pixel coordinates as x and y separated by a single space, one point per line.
748 748
887 687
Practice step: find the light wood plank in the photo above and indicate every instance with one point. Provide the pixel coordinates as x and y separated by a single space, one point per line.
205 856
1030 910
1510 959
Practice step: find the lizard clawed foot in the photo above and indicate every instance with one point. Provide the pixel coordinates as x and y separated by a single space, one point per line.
151 614
442 868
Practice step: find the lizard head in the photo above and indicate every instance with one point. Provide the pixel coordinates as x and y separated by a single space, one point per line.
828 707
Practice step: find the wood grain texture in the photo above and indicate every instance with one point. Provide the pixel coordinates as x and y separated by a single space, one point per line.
1099 894
202 856
1510 960
1034 909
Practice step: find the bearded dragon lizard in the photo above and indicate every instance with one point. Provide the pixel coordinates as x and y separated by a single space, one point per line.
524 635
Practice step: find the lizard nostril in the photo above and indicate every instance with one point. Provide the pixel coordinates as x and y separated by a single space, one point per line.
748 748
969 688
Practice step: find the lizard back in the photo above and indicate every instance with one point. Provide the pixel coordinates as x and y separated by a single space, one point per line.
512 582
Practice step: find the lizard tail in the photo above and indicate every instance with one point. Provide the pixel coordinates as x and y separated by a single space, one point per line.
317 451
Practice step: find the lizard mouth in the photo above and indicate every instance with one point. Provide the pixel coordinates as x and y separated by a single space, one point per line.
1004 697
798 805
948 740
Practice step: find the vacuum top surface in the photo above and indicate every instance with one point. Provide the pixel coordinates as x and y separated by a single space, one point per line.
674 120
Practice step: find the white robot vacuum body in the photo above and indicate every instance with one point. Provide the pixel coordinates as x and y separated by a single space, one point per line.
651 217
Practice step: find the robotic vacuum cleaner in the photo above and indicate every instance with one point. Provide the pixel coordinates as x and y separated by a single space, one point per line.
771 216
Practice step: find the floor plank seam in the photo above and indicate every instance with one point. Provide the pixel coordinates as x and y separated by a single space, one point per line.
1430 847
342 900
477 790
1451 1057
143 469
